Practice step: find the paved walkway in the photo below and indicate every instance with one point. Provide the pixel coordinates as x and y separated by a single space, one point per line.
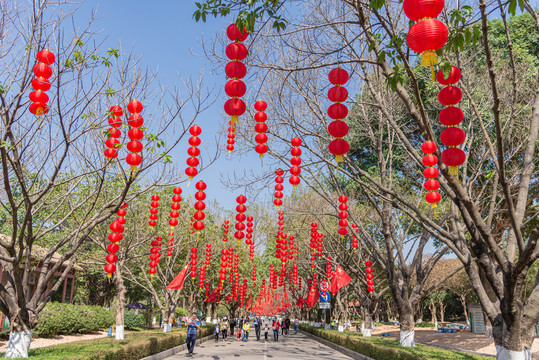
289 346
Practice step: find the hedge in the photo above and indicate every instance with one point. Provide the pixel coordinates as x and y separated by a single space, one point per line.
135 346
382 349
60 318
132 320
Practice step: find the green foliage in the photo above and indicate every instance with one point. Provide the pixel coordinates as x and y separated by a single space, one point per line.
381 349
135 346
179 312
58 318
132 320
425 325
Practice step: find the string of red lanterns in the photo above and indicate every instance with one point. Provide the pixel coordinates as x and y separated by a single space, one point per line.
320 244
354 238
231 137
428 34
223 270
175 207
40 84
170 243
328 268
225 230
235 70
135 134
249 238
451 117
193 262
192 162
430 172
154 211
338 112
295 161
199 215
261 138
279 188
113 133
155 255
343 215
240 217
369 276
115 237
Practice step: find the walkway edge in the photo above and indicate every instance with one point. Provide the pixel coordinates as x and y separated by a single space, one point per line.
175 350
339 348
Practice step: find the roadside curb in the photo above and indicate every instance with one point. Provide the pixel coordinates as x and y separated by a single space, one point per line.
339 348
457 349
175 350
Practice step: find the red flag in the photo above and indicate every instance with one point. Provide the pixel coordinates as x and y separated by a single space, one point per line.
340 279
300 302
213 296
312 298
178 281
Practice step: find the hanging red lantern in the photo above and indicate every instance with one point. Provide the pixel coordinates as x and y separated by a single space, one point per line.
261 138
135 121
343 215
295 170
231 137
175 206
40 84
225 230
279 188
112 142
193 151
240 217
338 112
235 70
115 237
193 262
369 276
199 215
431 185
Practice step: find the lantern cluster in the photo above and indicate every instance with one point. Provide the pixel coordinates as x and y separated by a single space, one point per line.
320 244
354 238
369 276
235 70
249 238
451 117
279 188
170 243
273 277
113 133
199 215
40 84
328 268
261 138
294 274
155 255
254 274
225 230
114 237
193 263
240 217
343 215
428 34
154 210
231 136
175 207
135 134
338 112
205 264
222 271
193 152
430 172
291 247
295 161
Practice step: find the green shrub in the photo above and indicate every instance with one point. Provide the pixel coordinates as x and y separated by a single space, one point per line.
424 325
132 320
179 312
57 318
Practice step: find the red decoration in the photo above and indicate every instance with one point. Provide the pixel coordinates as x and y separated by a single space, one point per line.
135 146
193 151
429 160
199 215
153 211
343 215
231 137
175 206
193 262
261 138
295 170
369 276
112 142
338 111
354 238
235 70
115 237
279 188
42 71
240 218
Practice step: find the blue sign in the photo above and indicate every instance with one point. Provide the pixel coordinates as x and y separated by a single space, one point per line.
324 297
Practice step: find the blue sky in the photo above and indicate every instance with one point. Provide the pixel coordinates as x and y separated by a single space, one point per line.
167 36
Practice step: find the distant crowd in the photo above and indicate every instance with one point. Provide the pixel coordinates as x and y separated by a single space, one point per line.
240 327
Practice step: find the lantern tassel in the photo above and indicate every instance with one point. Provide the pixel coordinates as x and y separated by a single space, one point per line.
234 119
342 237
432 73
453 170
133 169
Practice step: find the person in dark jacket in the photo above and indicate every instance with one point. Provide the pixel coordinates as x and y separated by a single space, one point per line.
192 328
232 323
258 325
286 325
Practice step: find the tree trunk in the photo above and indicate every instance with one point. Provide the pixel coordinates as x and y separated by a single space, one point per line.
167 314
20 335
120 302
463 302
432 308
367 328
441 305
407 334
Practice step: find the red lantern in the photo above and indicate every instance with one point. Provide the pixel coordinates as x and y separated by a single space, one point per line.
136 121
452 78
42 71
429 160
261 128
426 37
343 214
278 188
235 70
193 151
199 206
240 217
295 170
116 235
113 143
338 112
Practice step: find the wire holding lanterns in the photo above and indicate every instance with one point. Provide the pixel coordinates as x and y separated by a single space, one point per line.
279 188
40 84
235 70
135 132
192 162
113 133
451 117
428 34
338 112
430 172
261 138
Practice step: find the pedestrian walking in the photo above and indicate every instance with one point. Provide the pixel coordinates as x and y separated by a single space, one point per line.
216 332
258 325
240 326
282 327
232 323
286 325
224 328
266 331
276 326
192 328
246 329
296 325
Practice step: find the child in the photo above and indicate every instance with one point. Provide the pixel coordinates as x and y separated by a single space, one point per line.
238 333
266 331
246 328
216 332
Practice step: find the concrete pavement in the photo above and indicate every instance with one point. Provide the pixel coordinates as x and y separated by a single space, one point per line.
289 346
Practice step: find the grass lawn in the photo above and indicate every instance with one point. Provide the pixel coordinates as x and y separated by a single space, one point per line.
137 344
389 348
